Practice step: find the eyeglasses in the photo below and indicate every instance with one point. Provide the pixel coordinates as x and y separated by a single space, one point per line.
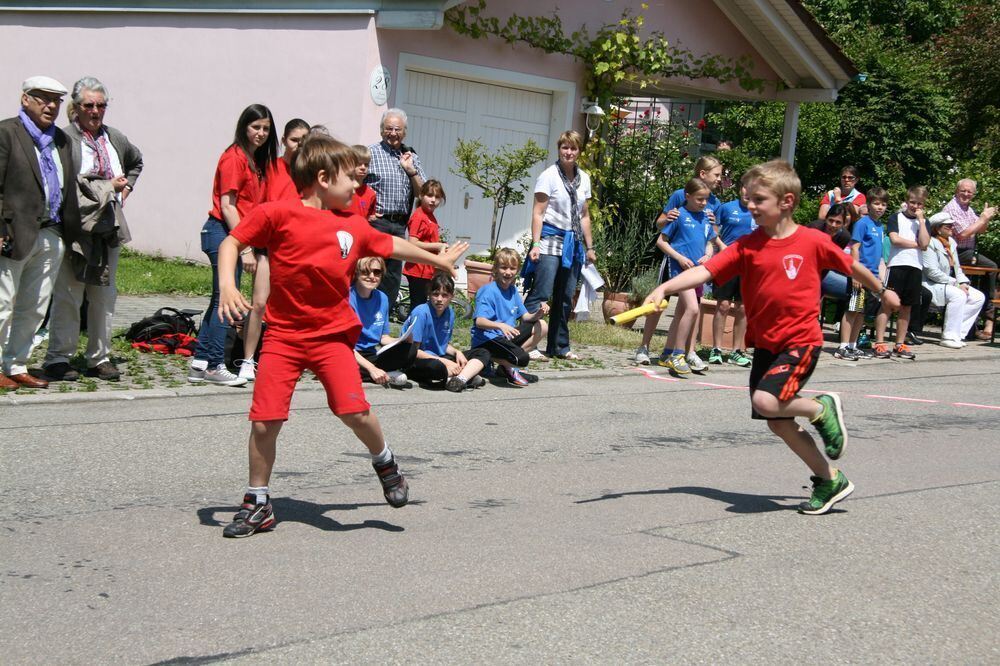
372 271
45 101
394 130
90 106
851 178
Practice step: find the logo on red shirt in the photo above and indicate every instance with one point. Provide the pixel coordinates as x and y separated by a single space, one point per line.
792 264
346 240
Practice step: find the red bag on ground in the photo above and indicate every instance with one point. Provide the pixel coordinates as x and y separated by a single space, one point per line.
171 343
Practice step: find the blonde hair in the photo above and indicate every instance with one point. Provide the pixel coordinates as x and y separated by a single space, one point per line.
321 152
918 192
779 177
572 137
367 264
705 163
505 256
363 154
696 185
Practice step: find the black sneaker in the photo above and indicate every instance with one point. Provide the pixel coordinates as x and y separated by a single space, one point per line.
394 485
251 517
912 339
106 371
61 372
476 382
845 354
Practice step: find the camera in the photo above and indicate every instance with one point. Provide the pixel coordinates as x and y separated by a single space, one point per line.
8 248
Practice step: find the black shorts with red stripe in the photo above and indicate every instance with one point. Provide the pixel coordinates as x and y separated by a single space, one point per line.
783 374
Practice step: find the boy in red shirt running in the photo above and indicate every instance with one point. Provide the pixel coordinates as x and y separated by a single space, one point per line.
313 247
779 266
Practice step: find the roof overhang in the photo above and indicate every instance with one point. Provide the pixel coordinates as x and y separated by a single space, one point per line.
809 65
390 14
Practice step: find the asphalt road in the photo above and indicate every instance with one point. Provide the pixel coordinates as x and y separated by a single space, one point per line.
591 520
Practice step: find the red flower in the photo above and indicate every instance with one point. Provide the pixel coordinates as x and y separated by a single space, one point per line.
680 108
684 154
702 124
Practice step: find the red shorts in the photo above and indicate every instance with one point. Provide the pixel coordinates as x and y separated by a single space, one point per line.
282 362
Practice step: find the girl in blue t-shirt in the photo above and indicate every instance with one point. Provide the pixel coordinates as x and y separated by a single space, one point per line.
494 325
686 242
372 308
437 359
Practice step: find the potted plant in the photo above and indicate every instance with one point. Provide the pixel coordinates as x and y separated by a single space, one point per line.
500 177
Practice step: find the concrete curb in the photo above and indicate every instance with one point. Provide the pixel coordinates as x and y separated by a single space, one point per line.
562 374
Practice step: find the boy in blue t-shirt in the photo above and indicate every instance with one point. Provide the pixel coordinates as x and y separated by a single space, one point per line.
494 323
867 242
732 222
372 308
437 360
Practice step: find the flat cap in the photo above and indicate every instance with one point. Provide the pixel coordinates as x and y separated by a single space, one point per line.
44 83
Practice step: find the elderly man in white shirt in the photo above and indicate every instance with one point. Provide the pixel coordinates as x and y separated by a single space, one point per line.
968 225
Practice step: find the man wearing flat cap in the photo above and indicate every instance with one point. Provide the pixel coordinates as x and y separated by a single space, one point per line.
38 211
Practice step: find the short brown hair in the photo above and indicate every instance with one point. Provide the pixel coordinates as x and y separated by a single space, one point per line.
321 152
878 194
779 177
696 185
505 256
363 154
572 137
917 192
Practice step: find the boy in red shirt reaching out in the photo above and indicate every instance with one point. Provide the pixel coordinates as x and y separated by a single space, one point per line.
313 247
779 266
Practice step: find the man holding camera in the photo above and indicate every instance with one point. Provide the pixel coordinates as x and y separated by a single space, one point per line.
38 210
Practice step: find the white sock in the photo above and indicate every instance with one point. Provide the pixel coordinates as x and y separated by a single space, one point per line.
260 492
852 345
384 457
199 364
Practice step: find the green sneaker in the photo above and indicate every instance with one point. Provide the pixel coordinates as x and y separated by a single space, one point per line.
739 358
715 356
830 425
826 493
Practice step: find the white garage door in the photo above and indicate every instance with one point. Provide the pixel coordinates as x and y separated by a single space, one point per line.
441 109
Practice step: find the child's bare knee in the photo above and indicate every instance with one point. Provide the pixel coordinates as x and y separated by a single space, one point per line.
354 420
765 404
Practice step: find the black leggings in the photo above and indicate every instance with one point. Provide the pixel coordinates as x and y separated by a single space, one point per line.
433 370
398 358
418 291
502 349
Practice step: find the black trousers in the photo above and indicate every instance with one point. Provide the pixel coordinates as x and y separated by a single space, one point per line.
393 267
433 370
399 357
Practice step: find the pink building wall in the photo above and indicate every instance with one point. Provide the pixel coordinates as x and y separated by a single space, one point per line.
179 81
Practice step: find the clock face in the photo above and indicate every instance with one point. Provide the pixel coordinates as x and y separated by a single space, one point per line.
379 85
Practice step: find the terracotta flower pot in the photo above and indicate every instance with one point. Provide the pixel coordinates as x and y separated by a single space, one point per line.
615 303
477 274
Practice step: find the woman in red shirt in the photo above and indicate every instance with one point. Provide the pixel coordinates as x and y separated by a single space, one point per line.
278 186
238 187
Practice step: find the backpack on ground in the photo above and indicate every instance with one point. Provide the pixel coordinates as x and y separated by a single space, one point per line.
165 321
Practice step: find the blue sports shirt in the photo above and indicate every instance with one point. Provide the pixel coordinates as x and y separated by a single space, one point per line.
495 304
374 315
734 220
677 200
688 234
431 331
870 235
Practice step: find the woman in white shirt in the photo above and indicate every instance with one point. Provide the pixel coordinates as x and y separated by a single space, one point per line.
561 241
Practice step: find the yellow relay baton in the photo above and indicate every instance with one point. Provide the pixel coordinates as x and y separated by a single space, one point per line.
631 315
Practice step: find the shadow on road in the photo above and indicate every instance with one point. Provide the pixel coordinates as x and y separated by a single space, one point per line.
738 502
300 511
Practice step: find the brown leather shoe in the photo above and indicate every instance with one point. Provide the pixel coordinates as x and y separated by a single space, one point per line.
27 381
8 384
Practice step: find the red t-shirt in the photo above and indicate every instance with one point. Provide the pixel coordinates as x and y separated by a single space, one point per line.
363 202
235 173
423 226
780 281
859 199
278 185
312 256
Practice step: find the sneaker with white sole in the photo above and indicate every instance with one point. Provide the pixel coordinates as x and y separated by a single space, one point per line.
398 379
695 363
951 344
221 376
196 375
455 384
248 369
642 355
738 358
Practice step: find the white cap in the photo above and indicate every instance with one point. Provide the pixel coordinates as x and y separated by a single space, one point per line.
44 83
937 219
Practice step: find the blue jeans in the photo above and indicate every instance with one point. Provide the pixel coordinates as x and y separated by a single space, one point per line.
211 345
835 286
554 282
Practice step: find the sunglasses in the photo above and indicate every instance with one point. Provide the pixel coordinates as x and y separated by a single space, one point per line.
373 271
90 106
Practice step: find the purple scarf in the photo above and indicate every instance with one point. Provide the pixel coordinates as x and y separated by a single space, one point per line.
45 142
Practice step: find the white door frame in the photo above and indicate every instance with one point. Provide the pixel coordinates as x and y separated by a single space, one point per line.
563 92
